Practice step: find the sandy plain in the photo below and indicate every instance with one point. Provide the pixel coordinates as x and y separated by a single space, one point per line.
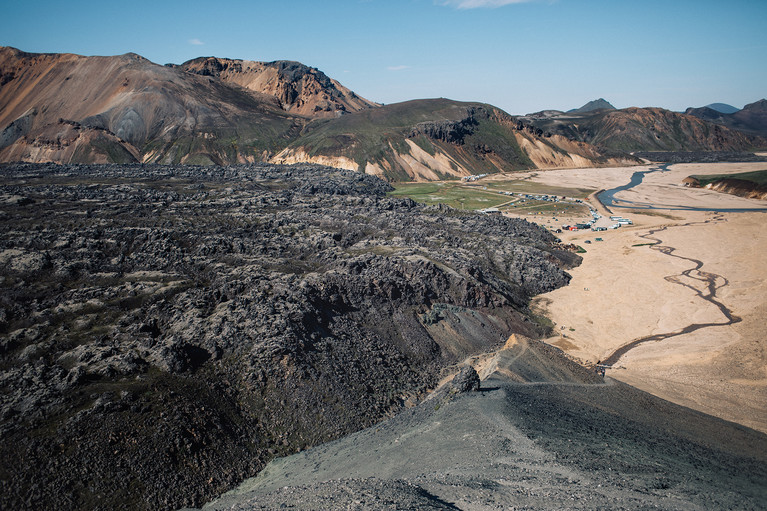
695 280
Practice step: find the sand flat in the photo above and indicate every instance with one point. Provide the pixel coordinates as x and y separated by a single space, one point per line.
626 290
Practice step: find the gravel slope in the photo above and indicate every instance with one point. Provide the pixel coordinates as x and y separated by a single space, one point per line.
534 445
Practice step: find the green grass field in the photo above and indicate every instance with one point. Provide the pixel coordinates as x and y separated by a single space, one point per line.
487 195
525 186
450 193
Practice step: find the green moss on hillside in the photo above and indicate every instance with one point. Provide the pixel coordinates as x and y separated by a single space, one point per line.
758 177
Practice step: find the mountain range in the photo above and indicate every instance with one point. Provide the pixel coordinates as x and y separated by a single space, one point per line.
68 108
751 119
653 129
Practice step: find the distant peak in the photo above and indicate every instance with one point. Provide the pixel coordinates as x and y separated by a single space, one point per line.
597 104
722 108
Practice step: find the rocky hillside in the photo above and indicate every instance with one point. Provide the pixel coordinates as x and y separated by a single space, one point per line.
538 432
69 108
751 119
437 139
647 129
165 330
298 88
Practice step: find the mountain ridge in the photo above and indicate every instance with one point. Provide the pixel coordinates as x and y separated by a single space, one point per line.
298 88
647 129
433 139
69 108
751 119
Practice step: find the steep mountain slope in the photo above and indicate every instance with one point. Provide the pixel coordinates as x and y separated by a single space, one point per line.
648 129
299 89
435 138
751 119
70 108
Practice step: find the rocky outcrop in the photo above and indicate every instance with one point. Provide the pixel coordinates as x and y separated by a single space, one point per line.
450 131
467 380
167 330
298 88
732 185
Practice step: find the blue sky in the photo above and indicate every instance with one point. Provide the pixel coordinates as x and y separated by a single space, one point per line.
522 56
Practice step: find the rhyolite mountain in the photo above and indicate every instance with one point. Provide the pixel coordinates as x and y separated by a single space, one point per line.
125 109
751 119
70 108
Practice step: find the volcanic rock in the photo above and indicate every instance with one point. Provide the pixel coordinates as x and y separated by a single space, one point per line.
165 331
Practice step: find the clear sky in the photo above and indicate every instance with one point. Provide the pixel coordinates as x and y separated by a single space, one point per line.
522 56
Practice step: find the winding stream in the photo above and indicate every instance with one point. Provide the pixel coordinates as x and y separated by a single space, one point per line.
712 281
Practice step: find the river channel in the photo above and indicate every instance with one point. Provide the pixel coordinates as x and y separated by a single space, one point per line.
608 199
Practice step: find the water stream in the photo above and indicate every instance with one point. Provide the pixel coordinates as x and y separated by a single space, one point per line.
712 281
609 201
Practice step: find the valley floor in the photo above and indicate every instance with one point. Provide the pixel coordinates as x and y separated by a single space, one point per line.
691 284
